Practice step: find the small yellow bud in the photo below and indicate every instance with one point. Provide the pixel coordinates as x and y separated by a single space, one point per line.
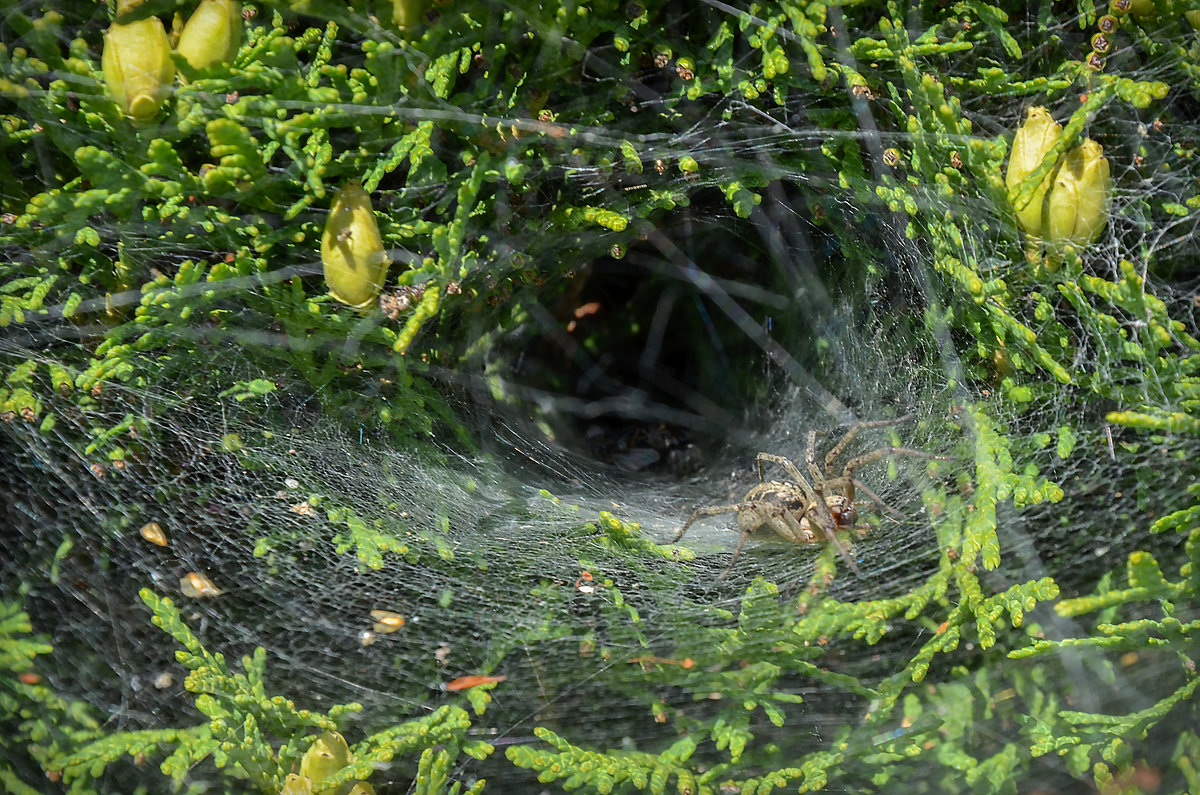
1078 204
212 34
1033 141
137 66
352 250
326 756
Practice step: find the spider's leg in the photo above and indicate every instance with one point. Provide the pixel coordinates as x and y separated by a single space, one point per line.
810 458
829 528
861 529
881 453
711 510
845 441
849 484
736 553
829 525
820 486
842 549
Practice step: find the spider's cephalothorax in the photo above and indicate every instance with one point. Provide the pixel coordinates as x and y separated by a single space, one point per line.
808 510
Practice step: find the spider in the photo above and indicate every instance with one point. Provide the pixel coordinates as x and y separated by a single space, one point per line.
794 511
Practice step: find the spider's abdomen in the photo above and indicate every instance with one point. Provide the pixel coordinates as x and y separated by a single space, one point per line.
778 506
781 496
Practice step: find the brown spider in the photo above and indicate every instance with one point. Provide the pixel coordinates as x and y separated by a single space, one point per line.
791 510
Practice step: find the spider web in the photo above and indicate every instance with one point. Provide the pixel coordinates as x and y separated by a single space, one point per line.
635 380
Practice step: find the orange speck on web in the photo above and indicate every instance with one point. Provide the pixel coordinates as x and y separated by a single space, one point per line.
465 682
590 308
649 659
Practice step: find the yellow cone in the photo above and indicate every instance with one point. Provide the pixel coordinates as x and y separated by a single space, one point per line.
1078 205
212 34
352 250
137 66
1035 138
326 756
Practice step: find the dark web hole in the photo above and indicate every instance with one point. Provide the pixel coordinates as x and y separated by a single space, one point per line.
652 357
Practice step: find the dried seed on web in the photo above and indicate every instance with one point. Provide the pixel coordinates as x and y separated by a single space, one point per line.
197 586
153 532
386 622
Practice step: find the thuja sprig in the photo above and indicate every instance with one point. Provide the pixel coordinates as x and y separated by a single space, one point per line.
17 649
433 776
997 481
243 719
941 136
38 723
255 736
575 767
619 535
19 296
1102 741
753 666
445 728
92 759
1137 339
370 540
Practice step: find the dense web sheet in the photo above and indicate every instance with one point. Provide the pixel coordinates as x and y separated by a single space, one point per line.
625 261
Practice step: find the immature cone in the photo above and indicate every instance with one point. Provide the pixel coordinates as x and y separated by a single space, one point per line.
137 66
1077 208
351 249
212 34
1034 139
